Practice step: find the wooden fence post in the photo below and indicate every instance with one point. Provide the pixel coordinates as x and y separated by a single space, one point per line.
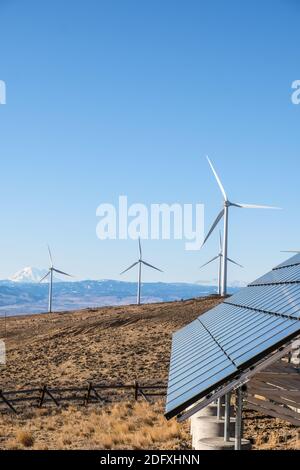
136 391
99 398
43 391
7 402
88 395
51 396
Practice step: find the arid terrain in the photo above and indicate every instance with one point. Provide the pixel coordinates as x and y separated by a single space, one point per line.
111 345
114 344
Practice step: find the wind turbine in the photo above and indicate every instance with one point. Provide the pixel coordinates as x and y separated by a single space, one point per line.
220 257
140 262
225 214
50 273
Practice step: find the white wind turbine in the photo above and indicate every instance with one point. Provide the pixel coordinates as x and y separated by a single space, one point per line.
139 263
50 273
220 257
225 213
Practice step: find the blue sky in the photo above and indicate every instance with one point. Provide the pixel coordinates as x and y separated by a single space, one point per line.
116 97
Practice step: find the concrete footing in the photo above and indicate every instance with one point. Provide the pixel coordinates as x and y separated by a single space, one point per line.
211 410
218 443
208 431
210 427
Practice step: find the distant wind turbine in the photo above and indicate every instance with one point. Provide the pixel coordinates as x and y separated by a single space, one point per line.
225 213
139 263
220 257
50 273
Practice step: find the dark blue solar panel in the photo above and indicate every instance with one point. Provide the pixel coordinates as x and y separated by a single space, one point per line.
223 342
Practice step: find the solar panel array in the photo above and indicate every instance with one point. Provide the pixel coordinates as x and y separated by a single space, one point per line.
223 342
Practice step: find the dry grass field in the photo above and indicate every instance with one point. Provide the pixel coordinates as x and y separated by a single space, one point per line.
126 425
114 344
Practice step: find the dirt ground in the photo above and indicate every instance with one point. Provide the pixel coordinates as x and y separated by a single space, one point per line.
118 344
114 344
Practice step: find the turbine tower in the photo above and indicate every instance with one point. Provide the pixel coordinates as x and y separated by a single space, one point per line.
225 214
140 262
50 273
220 257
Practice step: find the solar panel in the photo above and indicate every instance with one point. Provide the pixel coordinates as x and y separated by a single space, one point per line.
225 341
289 274
277 299
290 262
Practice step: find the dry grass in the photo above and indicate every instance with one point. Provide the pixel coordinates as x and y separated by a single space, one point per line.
25 438
127 425
270 433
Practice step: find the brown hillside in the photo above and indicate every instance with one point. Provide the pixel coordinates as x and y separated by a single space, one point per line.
105 344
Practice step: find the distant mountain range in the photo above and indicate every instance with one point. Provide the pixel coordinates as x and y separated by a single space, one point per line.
24 294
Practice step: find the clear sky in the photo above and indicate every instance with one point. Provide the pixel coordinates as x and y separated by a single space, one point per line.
112 97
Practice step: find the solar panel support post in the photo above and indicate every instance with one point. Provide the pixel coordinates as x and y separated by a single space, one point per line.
227 417
219 409
238 422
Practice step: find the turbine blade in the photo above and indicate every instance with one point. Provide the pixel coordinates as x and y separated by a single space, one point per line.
130 267
150 266
233 262
50 256
208 262
61 272
218 180
214 226
291 251
43 278
140 248
255 206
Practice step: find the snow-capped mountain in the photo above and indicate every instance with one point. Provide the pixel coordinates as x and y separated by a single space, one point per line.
28 274
31 275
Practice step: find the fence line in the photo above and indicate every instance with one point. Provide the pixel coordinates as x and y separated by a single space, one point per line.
85 395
